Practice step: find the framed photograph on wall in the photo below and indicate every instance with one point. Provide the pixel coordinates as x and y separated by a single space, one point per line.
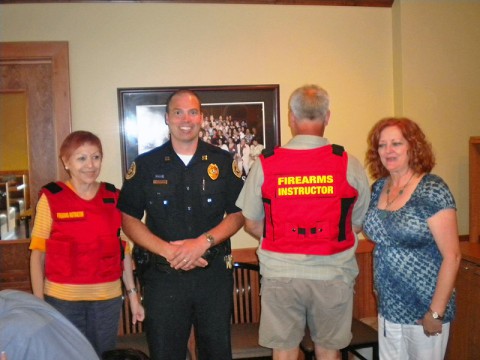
234 117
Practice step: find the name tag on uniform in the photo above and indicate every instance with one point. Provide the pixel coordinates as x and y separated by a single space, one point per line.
70 215
160 182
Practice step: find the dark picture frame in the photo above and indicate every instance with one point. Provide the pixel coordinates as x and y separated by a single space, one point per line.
142 114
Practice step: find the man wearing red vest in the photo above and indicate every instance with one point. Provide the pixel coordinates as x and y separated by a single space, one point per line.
305 202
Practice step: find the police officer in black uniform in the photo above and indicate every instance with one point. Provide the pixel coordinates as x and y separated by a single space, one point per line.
188 189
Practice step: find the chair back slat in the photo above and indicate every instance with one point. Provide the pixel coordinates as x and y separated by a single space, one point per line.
246 293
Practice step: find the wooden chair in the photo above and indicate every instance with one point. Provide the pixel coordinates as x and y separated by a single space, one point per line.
363 336
246 313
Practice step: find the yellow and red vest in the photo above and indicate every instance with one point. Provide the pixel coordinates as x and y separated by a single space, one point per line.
308 201
84 246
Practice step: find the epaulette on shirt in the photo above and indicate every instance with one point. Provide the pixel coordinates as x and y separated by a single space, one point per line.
216 149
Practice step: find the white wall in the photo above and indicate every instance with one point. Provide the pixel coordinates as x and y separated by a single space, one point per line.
437 82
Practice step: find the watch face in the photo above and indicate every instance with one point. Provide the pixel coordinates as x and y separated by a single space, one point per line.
210 239
436 315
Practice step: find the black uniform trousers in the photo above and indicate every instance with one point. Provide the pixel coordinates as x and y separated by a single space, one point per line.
174 300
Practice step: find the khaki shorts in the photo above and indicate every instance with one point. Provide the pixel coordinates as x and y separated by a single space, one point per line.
289 304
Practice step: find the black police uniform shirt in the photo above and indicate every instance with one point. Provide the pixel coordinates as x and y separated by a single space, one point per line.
181 201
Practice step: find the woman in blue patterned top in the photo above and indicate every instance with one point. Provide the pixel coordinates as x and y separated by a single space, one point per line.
412 220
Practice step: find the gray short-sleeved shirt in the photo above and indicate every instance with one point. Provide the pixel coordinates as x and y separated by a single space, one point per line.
342 266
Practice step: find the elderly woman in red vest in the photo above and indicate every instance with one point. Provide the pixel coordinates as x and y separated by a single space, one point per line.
77 255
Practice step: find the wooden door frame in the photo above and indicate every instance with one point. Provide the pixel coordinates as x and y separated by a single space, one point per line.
56 54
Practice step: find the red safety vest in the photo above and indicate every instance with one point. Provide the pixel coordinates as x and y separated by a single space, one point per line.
308 201
84 245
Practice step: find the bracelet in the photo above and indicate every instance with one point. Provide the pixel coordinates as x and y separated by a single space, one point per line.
132 291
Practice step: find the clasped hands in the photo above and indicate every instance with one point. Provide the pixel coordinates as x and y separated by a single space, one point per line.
187 254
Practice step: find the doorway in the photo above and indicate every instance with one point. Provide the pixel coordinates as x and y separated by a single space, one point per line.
41 71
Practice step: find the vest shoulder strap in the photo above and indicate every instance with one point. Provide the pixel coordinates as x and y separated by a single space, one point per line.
53 187
110 187
338 149
268 152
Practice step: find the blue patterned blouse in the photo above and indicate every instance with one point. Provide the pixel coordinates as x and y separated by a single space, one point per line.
406 257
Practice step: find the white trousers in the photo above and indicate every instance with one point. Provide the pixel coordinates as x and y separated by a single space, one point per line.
409 342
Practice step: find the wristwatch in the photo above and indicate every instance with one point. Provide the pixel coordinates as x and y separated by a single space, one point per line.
435 314
210 239
132 291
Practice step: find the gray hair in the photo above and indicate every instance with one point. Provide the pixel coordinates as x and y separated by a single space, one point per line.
309 102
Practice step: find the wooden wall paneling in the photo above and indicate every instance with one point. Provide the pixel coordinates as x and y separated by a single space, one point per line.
15 265
474 170
464 340
365 304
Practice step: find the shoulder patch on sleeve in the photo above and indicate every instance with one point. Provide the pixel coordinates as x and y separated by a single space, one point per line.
236 170
131 171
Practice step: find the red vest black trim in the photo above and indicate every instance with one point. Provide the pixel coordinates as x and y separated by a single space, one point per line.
84 245
308 201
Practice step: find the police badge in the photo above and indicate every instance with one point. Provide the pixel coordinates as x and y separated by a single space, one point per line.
213 171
